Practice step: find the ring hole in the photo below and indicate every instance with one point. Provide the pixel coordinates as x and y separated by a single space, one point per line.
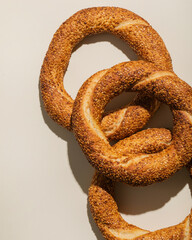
162 118
120 101
161 204
93 54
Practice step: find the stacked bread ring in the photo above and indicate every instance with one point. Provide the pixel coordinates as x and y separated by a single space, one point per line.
141 158
115 163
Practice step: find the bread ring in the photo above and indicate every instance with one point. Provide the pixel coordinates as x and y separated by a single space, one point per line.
104 208
122 23
113 227
134 169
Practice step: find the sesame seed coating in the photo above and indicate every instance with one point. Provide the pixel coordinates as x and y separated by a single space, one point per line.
134 169
113 227
103 205
124 24
146 157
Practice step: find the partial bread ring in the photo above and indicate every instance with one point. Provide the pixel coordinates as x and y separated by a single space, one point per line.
113 227
104 208
120 22
134 169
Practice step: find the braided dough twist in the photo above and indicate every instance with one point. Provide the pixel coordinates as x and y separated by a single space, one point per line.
118 165
134 30
104 208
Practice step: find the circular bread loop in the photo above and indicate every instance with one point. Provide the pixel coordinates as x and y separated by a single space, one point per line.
134 169
113 227
120 22
105 210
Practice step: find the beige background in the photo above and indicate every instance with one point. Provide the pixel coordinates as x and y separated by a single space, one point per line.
44 177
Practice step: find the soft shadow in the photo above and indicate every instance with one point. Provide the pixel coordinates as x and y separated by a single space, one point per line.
80 167
139 200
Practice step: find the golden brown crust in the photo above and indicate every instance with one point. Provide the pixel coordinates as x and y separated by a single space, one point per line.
113 227
149 46
120 22
105 210
134 169
116 124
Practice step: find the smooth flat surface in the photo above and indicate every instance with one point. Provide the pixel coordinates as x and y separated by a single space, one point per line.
44 177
